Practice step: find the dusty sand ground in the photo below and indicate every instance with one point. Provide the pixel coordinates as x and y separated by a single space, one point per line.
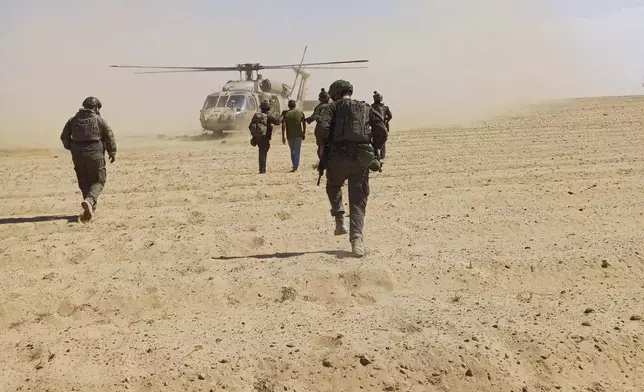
505 257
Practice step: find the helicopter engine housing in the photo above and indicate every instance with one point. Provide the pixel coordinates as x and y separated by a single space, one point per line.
273 87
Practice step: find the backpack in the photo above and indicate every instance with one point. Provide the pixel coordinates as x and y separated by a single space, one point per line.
259 126
352 122
85 128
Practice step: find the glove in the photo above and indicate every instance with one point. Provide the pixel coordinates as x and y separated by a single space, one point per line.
112 157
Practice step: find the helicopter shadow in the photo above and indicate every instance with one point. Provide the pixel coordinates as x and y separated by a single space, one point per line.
38 219
339 254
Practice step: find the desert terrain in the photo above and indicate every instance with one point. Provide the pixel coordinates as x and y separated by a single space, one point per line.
504 256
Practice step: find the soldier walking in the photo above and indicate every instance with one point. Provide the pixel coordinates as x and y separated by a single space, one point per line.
88 136
294 129
386 114
353 133
323 97
261 130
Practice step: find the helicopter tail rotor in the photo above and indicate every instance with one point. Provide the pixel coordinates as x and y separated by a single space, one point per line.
297 72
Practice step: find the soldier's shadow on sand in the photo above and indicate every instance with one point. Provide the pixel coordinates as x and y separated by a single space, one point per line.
38 219
340 254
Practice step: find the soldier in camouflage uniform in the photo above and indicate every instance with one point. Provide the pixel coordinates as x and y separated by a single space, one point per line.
323 97
88 136
356 133
264 144
385 112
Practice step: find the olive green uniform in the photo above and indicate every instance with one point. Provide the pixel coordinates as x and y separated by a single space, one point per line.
87 135
316 112
386 114
343 162
265 144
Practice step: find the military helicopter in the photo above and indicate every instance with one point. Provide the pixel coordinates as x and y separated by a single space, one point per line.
232 108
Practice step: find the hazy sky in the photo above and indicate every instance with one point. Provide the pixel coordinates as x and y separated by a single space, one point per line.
451 59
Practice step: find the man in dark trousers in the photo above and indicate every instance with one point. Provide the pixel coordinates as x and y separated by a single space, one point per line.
385 112
355 133
324 98
261 130
88 136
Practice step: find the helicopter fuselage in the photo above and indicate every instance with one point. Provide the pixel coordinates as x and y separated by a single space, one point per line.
232 108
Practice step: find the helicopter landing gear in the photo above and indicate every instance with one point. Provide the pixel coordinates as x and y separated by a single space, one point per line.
218 134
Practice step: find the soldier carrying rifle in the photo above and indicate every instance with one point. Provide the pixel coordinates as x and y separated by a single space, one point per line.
349 134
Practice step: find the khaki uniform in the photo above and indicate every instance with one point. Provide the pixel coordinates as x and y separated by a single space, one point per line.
316 112
87 135
386 114
264 145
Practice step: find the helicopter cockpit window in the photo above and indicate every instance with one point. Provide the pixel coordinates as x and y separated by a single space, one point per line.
235 102
211 102
250 104
275 106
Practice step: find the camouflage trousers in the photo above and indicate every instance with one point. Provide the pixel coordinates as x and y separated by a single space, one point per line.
383 150
91 174
263 147
343 168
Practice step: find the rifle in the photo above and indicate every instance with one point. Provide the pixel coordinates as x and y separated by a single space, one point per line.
326 152
324 158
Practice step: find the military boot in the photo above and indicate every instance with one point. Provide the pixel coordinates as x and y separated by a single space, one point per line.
357 248
340 228
88 212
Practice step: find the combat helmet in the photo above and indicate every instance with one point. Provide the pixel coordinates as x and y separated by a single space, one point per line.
323 96
339 88
265 106
92 103
377 97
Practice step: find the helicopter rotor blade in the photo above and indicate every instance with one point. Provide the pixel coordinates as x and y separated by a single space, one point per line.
173 71
208 70
239 67
314 67
178 68
310 64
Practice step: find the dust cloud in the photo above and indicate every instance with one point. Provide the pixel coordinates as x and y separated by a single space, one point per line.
435 62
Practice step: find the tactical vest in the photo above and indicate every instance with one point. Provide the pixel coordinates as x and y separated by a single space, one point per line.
318 108
351 122
85 129
380 108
